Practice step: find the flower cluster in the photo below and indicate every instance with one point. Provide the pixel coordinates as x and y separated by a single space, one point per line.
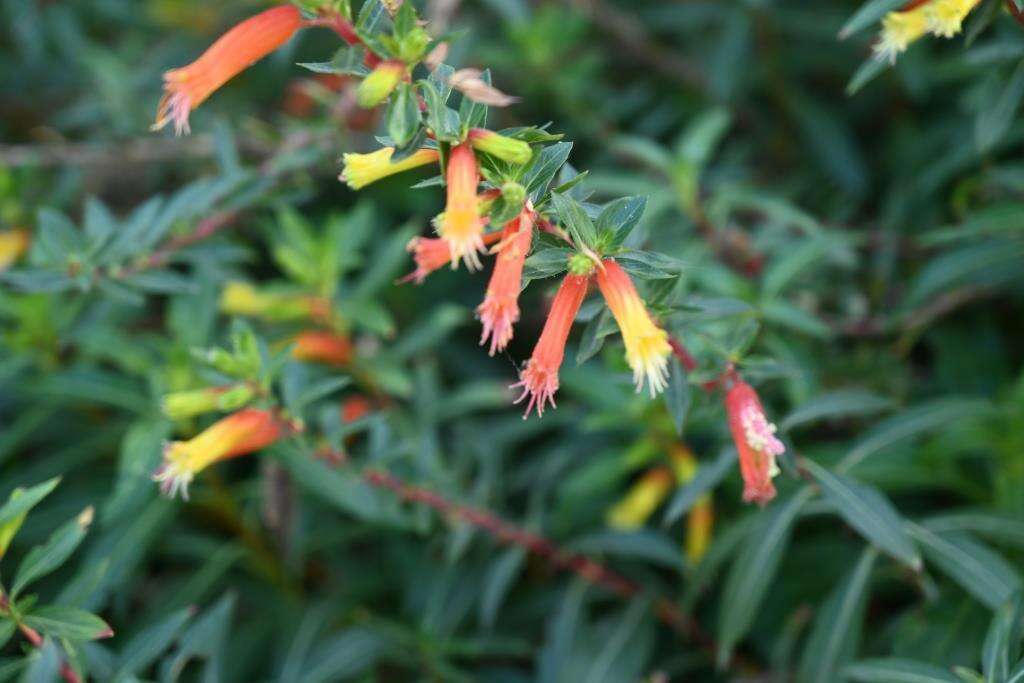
941 18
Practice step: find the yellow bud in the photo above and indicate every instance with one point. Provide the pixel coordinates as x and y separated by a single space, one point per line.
380 83
13 243
641 500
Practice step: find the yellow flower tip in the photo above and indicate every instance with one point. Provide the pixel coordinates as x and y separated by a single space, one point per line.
359 170
246 431
13 245
463 230
642 499
241 298
699 526
647 347
497 145
945 18
899 30
380 83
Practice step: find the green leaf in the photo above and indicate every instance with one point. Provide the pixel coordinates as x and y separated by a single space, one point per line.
498 582
441 119
57 237
349 60
651 265
575 220
868 14
644 544
594 333
836 633
403 115
678 395
143 649
789 315
1002 643
834 404
708 476
753 572
865 73
619 217
913 422
545 263
975 567
994 121
894 670
543 167
48 557
23 500
343 657
868 511
68 622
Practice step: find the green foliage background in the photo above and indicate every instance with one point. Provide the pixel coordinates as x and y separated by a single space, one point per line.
860 256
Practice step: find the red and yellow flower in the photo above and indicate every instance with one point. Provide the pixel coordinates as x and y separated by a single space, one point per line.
500 308
755 441
245 44
323 346
241 433
941 18
433 253
647 347
539 378
461 223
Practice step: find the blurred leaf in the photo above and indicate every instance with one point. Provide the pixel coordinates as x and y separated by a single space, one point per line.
834 404
708 476
67 622
48 557
1002 643
994 121
894 670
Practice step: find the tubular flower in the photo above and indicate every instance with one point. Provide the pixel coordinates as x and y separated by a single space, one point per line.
500 309
461 223
647 347
241 298
13 243
755 441
642 499
376 87
701 518
899 30
245 44
434 253
497 145
241 433
946 17
539 379
362 169
321 346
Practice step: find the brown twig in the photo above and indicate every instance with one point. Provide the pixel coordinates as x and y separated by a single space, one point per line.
1017 14
585 567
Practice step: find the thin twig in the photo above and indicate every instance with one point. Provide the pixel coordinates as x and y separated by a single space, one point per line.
585 567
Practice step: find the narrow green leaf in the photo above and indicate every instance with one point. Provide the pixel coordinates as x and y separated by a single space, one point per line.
708 476
1002 643
753 572
868 14
868 511
894 670
48 557
678 395
994 121
837 628
68 622
26 499
834 404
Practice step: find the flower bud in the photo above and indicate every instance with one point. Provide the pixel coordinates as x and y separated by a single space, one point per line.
642 499
505 148
380 83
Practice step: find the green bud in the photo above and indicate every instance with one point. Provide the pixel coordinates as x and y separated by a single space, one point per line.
505 148
581 264
376 87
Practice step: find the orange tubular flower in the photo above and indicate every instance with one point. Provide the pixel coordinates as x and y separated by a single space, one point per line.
755 441
434 253
461 223
245 44
321 346
241 433
539 379
647 347
500 309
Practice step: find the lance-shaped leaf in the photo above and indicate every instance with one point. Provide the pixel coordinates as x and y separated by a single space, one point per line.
895 670
868 511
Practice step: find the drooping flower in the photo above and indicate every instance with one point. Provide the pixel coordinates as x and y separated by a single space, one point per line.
380 83
899 30
755 441
245 44
13 243
642 499
322 346
539 378
946 17
701 517
241 433
461 223
362 169
500 146
181 405
647 347
500 309
433 253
